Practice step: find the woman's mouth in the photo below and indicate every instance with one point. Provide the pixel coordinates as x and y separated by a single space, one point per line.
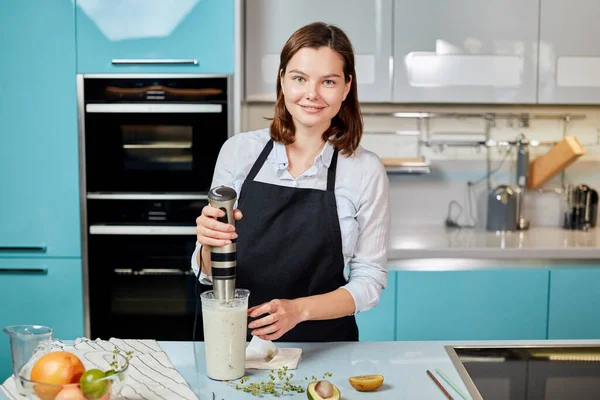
311 109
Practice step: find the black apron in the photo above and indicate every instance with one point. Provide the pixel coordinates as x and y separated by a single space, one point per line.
289 245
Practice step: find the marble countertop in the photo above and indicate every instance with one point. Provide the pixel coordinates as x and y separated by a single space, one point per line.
538 245
403 365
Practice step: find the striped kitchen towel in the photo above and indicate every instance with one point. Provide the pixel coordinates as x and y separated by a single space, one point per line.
151 375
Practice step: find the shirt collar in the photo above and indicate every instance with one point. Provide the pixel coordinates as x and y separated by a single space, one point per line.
279 157
326 154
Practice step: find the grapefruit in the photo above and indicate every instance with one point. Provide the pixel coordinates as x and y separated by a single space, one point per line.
57 368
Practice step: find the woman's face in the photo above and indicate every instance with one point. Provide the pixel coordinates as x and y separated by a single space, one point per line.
314 88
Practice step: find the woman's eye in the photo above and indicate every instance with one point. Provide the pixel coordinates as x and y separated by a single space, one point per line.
328 82
299 79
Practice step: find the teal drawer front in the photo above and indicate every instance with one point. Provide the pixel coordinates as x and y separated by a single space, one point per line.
379 323
574 303
472 305
39 178
40 292
179 30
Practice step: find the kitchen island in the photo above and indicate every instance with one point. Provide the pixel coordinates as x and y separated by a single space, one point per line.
403 365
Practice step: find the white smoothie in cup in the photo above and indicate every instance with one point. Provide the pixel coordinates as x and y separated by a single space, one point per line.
225 324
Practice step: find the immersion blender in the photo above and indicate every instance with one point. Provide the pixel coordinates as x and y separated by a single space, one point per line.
223 260
522 180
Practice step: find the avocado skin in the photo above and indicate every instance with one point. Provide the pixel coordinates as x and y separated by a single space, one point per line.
312 394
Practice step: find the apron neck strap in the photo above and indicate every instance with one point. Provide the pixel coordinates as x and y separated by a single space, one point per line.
331 172
260 161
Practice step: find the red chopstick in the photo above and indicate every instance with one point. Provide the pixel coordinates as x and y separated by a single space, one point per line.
439 385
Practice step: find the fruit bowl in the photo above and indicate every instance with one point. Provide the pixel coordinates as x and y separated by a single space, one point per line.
101 377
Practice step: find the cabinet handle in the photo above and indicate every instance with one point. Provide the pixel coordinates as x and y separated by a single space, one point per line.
27 271
36 249
121 61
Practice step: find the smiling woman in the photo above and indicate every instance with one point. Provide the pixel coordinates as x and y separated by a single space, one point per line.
317 88
312 91
315 203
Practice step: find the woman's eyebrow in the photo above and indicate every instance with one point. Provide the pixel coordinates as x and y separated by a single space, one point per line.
295 71
331 76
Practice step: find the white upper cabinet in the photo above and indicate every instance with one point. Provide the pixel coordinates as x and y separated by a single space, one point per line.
569 70
368 23
466 51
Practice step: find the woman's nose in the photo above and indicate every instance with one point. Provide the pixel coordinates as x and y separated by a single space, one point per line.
312 91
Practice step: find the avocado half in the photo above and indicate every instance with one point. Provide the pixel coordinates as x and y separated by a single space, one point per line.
313 395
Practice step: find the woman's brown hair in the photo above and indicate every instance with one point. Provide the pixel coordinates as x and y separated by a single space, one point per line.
346 127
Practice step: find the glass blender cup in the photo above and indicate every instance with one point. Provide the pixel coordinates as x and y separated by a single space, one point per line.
225 325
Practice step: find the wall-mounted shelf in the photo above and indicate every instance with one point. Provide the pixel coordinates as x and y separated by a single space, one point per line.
407 165
478 139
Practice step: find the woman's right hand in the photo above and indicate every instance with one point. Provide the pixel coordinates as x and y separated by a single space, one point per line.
210 232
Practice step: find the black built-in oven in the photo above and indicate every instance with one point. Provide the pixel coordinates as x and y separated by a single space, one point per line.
153 134
140 281
149 145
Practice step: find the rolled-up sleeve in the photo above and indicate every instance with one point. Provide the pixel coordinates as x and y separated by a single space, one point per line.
368 273
203 278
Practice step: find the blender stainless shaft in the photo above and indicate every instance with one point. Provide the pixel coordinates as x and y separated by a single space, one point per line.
223 260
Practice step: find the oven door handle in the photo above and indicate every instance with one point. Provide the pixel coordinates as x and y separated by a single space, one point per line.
157 271
132 146
164 108
141 230
145 196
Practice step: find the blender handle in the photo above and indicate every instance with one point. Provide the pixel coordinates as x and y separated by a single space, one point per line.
27 271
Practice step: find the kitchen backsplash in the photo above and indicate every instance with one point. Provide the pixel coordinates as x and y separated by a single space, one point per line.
425 199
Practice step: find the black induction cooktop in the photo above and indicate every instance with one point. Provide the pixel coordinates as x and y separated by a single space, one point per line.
569 372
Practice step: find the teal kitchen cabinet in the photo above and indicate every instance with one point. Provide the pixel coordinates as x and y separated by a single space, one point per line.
39 178
40 292
472 305
379 323
574 309
115 36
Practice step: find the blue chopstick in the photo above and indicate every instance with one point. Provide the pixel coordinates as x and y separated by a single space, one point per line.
452 384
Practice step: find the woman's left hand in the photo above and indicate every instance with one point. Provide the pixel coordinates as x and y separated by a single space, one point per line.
282 316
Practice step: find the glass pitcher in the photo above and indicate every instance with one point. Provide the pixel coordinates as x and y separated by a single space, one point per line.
24 339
